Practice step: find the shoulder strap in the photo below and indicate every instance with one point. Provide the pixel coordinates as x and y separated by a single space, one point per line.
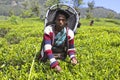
67 37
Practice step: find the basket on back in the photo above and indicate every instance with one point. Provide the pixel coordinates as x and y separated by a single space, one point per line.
72 20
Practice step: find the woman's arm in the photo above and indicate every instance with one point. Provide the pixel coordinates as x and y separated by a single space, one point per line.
48 35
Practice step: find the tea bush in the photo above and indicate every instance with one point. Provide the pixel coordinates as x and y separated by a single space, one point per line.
97 51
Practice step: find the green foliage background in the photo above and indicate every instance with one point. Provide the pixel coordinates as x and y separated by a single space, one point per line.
97 51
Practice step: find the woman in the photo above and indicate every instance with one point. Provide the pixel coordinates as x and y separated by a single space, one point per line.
56 36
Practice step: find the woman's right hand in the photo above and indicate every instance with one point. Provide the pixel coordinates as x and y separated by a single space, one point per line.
58 68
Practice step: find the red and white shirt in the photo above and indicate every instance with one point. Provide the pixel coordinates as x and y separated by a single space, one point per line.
49 35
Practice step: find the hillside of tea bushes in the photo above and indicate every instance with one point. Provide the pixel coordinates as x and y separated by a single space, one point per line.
97 51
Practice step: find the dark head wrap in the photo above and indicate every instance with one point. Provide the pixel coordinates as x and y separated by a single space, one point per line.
63 12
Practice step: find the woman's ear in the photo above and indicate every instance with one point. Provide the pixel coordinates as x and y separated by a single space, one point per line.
66 23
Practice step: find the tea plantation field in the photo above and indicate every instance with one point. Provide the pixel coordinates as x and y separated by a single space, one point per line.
97 51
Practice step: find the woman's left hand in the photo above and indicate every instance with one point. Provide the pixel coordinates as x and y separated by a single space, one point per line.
74 61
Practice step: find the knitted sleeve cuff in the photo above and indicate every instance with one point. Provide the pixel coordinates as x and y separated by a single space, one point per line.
54 64
72 55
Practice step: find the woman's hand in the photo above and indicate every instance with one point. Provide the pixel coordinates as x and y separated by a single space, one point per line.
58 68
74 61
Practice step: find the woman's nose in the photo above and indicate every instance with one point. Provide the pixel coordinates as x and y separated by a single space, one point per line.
61 21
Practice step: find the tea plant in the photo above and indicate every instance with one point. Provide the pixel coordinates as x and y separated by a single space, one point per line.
97 51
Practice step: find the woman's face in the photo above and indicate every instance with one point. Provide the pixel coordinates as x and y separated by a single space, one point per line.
61 21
